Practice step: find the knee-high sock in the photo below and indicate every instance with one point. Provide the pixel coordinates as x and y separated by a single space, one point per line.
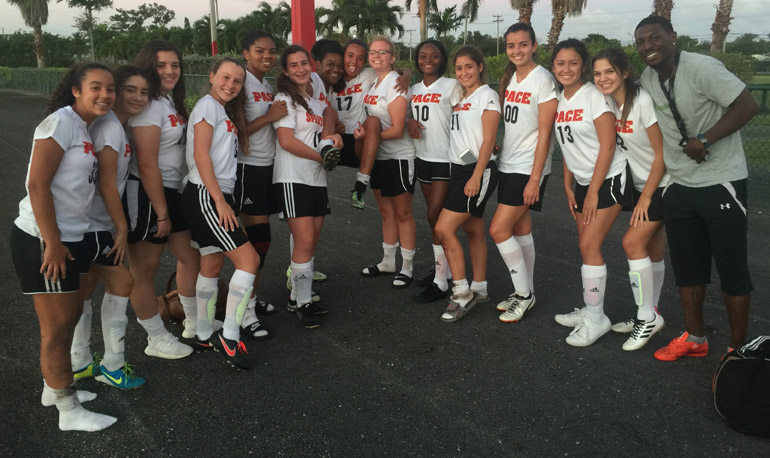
658 274
513 257
442 268
388 263
205 291
190 306
302 276
114 321
594 283
241 284
80 352
527 244
640 274
407 261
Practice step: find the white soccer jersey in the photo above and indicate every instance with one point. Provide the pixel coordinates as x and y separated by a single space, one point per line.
108 131
576 133
431 106
376 104
224 143
319 90
259 98
349 102
73 184
520 118
161 113
633 140
307 129
465 128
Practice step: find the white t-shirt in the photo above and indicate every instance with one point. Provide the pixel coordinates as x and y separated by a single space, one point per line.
161 113
349 102
633 140
466 130
224 143
108 131
431 106
376 103
576 133
259 98
307 129
73 184
521 109
319 90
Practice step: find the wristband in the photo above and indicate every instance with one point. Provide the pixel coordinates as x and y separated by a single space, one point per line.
703 140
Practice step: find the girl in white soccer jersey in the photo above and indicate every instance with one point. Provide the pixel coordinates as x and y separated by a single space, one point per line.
152 198
393 172
105 251
253 193
585 130
473 128
528 94
639 136
216 132
299 177
431 102
47 238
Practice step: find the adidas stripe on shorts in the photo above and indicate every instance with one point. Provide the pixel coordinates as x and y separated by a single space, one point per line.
254 193
615 190
141 216
457 201
296 200
201 215
96 246
27 253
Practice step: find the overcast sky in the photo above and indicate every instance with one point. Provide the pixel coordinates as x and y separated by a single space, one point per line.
612 18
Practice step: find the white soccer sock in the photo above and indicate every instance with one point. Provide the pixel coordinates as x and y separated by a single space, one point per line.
407 262
190 307
241 284
73 417
527 244
641 275
658 274
480 287
302 275
48 399
205 291
153 326
513 257
594 282
460 287
80 351
442 267
388 263
363 178
323 143
114 321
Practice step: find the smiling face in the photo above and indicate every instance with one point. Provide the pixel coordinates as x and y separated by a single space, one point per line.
607 78
381 56
520 48
567 67
655 45
298 68
133 95
226 83
429 59
468 73
354 59
169 70
330 68
96 95
260 57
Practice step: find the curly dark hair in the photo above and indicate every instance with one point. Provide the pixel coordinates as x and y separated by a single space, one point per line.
62 95
287 86
146 61
443 64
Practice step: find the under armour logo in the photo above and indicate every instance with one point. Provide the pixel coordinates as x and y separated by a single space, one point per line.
724 206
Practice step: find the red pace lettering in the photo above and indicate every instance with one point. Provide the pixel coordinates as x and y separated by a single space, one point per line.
310 117
262 96
518 97
569 115
462 107
370 99
176 120
128 150
231 127
627 128
426 98
88 148
355 89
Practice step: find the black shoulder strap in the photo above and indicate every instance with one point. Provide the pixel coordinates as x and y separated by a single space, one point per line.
669 93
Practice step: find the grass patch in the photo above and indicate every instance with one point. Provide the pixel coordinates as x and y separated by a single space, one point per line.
760 79
758 154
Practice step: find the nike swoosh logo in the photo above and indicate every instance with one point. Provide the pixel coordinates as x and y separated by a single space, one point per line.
229 352
114 380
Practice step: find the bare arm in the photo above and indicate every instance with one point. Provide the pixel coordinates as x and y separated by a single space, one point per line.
489 122
147 142
605 130
292 144
545 119
108 189
656 174
397 111
568 191
202 154
276 111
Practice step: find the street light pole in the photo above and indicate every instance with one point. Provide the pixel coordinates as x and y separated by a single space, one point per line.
213 20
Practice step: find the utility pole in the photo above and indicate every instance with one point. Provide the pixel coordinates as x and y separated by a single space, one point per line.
213 20
410 43
498 19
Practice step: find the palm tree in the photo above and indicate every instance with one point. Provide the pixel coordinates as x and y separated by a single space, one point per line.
524 7
424 7
276 20
562 9
368 17
662 8
469 11
86 22
35 15
445 21
721 26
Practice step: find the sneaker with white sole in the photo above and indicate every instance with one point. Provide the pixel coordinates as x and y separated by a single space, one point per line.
167 346
588 331
624 327
572 318
516 310
642 332
506 303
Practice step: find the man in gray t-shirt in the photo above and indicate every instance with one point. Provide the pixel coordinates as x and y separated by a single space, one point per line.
700 107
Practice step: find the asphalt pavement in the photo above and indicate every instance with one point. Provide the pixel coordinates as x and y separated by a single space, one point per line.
384 376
